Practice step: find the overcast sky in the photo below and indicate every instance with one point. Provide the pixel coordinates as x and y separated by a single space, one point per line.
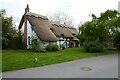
79 10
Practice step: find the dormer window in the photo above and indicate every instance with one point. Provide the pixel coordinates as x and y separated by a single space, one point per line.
62 35
51 29
73 34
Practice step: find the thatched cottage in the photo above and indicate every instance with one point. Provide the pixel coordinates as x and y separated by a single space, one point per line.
46 31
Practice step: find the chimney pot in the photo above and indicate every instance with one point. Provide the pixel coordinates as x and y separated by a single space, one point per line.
27 9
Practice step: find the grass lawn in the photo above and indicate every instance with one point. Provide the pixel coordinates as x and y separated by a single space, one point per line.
21 59
0 60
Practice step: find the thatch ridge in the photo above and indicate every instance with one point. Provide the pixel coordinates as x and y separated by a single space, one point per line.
37 15
60 29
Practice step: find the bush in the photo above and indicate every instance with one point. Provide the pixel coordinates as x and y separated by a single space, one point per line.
93 46
36 46
19 41
117 41
52 47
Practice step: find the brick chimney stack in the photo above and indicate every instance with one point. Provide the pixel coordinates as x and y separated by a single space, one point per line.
25 27
27 9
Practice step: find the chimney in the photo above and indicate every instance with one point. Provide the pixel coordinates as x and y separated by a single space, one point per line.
27 9
25 28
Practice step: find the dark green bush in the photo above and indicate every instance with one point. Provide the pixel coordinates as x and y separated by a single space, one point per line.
117 41
36 46
93 46
52 47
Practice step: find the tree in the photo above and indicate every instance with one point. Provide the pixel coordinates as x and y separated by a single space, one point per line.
101 29
61 18
9 34
117 41
2 12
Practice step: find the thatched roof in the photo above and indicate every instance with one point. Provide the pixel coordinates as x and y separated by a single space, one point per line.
73 30
60 29
21 22
42 27
46 30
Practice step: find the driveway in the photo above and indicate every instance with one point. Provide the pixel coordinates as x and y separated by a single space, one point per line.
95 67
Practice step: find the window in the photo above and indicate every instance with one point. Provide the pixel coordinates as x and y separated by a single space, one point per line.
29 40
51 29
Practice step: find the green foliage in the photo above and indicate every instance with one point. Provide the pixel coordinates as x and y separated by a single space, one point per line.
81 39
52 47
36 46
93 47
117 41
2 12
101 29
10 37
108 15
7 32
19 40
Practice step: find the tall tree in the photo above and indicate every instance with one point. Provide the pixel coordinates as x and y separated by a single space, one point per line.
117 40
101 29
9 34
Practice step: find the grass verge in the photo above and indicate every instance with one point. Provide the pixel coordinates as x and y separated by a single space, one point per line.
21 59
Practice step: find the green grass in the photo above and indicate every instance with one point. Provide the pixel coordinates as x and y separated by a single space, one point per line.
21 59
0 60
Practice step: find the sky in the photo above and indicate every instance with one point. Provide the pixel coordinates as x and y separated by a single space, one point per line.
78 10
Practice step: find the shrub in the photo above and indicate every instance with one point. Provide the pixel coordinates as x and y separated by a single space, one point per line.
19 40
52 47
36 46
117 41
93 46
